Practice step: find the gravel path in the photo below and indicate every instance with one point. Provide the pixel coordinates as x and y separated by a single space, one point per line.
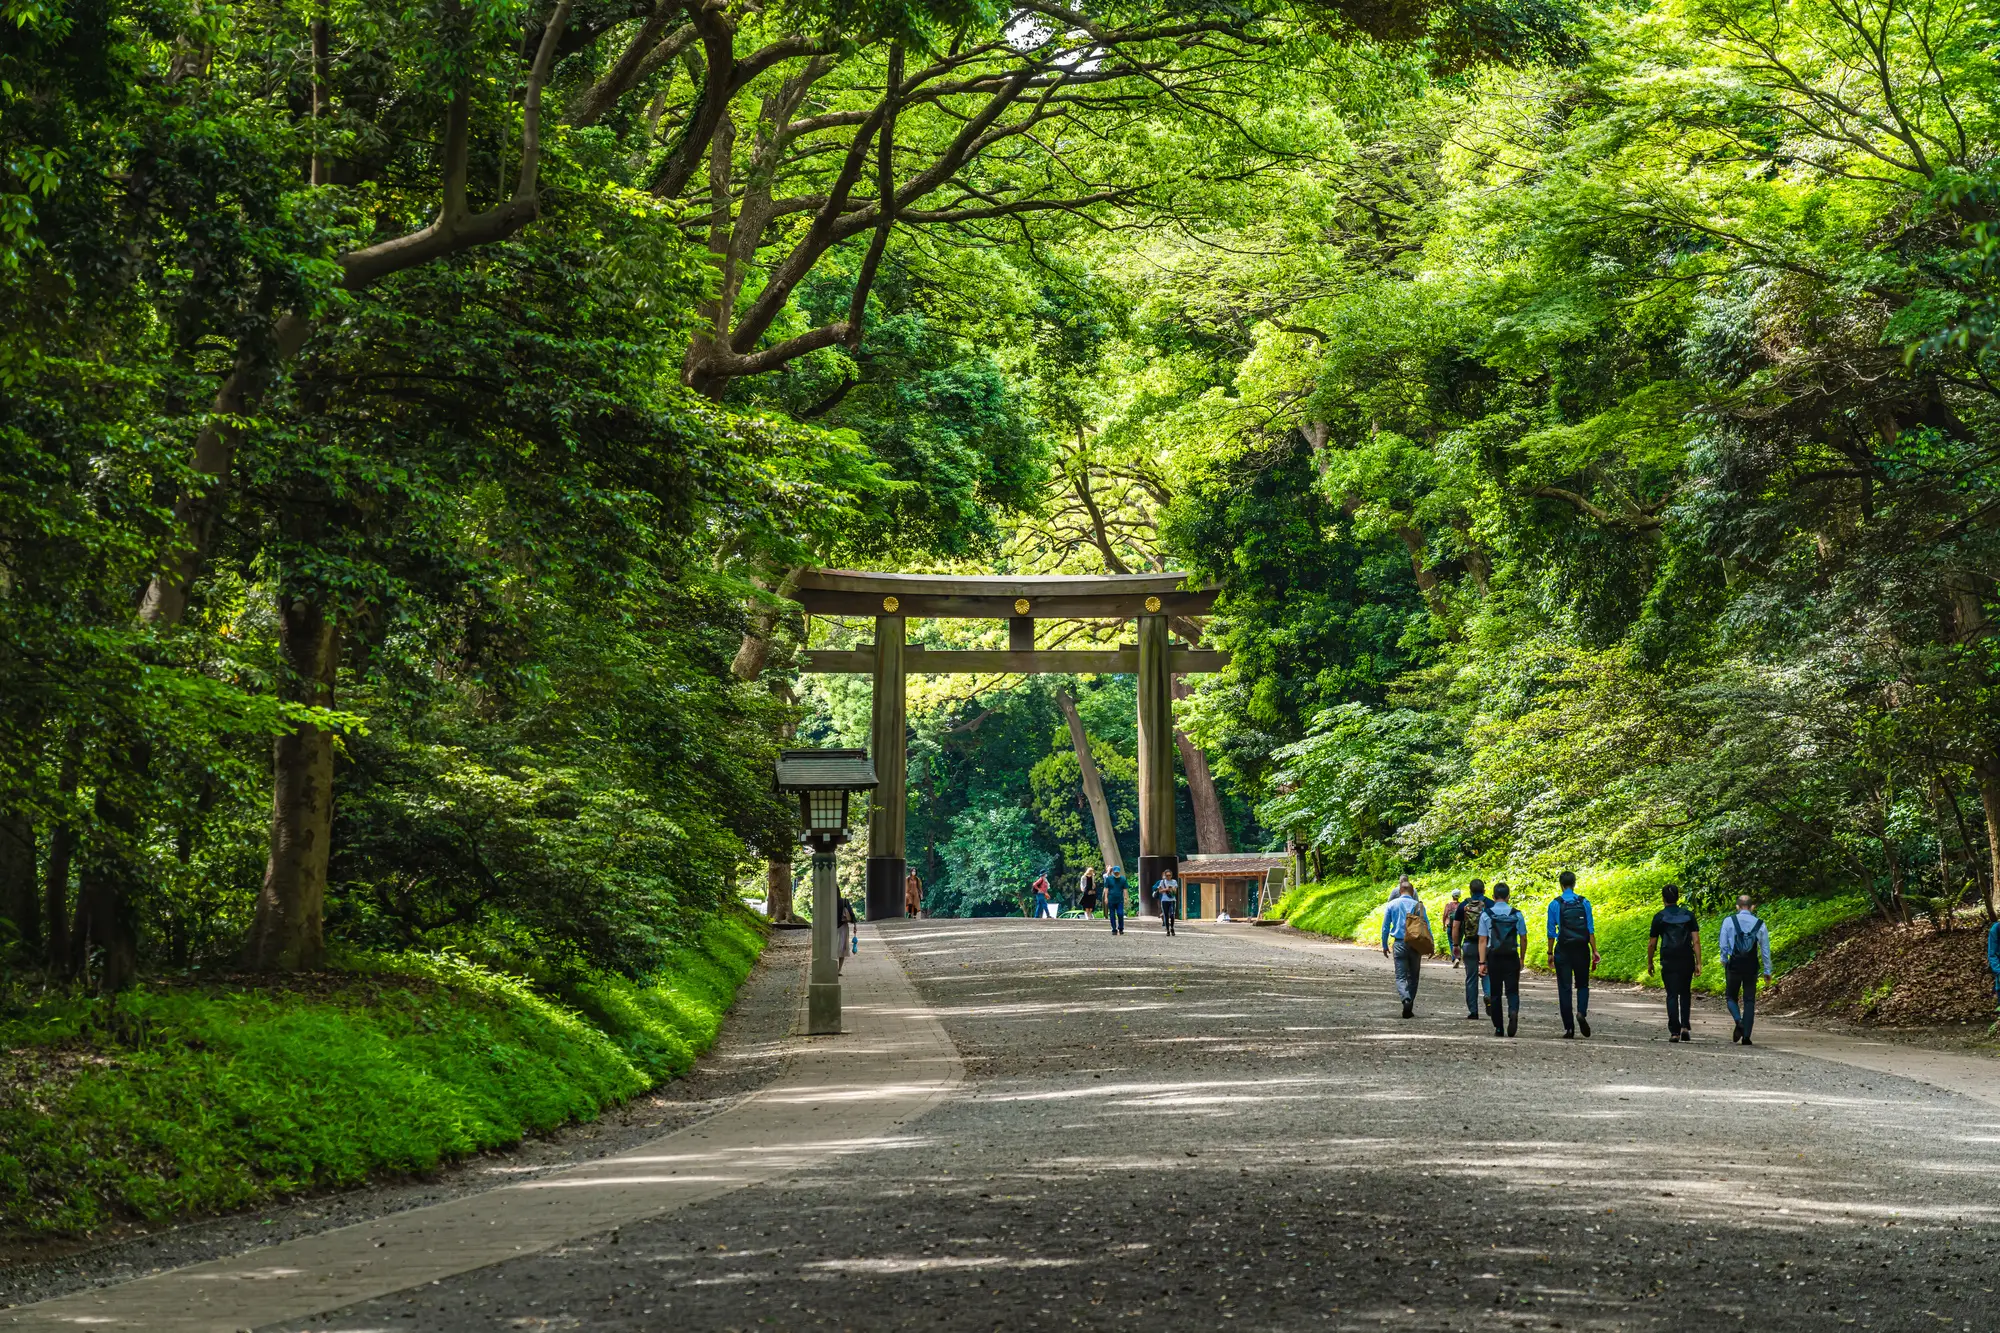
1213 1132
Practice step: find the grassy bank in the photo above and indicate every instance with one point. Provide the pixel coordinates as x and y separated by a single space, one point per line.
1623 900
194 1098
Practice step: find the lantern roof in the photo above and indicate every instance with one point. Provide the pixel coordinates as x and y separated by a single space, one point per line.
824 770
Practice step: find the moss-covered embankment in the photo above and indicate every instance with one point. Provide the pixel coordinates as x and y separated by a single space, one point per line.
1623 900
186 1097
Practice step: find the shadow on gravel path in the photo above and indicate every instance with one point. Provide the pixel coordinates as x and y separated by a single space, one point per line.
1211 1132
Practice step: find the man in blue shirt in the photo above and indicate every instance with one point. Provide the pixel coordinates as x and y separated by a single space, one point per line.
1993 958
1115 888
1395 928
1502 939
1742 941
1572 953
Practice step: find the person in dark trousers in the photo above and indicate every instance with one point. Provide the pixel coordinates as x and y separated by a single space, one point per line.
1676 938
1086 892
1465 941
1399 939
1743 942
1115 889
1572 953
1167 893
1502 938
1453 936
1993 963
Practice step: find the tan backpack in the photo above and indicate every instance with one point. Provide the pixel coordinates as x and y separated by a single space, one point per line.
1417 935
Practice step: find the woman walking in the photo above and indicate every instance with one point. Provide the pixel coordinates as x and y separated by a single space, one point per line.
843 929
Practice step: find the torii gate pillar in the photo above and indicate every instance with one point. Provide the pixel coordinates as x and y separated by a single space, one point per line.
1157 847
889 748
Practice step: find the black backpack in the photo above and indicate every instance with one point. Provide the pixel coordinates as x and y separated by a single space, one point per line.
1676 931
1572 921
1503 930
1745 944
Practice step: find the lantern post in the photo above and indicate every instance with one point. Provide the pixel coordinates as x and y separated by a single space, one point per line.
823 781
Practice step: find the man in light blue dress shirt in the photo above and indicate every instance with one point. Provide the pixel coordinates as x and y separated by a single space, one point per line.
1395 921
1743 941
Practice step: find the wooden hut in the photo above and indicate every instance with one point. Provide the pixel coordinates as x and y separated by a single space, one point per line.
1241 884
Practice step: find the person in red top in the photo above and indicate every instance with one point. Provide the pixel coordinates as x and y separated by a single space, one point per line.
1042 895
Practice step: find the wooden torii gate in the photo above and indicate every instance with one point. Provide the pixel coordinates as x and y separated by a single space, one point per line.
1150 599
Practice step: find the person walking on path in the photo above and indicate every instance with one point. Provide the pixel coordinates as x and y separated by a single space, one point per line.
1407 927
843 929
1465 934
1572 953
1993 963
1454 936
1041 891
1115 889
1502 938
1744 942
913 894
1676 938
1086 892
1167 892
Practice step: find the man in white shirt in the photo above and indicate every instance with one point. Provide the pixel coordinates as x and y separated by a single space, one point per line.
1744 941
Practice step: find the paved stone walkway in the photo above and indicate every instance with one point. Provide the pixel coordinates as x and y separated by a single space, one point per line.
837 1096
1234 1129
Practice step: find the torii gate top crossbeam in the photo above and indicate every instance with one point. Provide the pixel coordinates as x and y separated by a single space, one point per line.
844 592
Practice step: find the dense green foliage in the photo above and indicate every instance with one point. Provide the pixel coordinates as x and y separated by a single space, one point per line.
198 1097
414 417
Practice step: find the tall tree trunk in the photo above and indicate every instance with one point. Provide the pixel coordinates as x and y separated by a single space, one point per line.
20 893
1211 831
1093 784
55 896
751 655
106 929
288 933
755 649
1988 770
55 877
778 891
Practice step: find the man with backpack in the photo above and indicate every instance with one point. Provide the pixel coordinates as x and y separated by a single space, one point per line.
1743 943
1115 889
1993 959
1503 935
1463 927
1408 927
1167 893
1451 932
1572 952
1676 938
